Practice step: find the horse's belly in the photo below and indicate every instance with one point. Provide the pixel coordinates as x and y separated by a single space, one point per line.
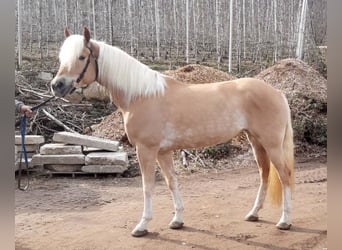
197 136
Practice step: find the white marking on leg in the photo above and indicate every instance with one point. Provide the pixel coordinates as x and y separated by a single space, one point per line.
177 202
147 213
285 217
259 201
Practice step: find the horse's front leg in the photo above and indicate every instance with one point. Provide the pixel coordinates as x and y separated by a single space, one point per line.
166 164
147 160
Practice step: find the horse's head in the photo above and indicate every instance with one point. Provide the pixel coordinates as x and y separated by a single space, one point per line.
78 63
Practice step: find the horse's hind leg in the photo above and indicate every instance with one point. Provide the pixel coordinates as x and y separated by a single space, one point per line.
283 173
147 158
166 164
264 169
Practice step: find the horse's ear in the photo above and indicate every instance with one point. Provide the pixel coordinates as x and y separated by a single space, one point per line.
66 32
86 34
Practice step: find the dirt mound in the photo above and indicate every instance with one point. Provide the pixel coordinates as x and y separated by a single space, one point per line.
306 90
111 127
194 73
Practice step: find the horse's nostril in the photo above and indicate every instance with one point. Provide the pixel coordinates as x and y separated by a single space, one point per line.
58 85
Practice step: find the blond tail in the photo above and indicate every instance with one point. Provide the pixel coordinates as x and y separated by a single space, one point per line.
275 187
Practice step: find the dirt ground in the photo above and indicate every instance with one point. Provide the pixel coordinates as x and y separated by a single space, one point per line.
84 212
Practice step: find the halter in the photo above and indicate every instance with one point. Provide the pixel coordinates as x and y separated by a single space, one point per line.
86 67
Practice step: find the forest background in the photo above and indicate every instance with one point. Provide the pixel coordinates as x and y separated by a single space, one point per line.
241 37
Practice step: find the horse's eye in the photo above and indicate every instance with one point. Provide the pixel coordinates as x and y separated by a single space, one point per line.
81 58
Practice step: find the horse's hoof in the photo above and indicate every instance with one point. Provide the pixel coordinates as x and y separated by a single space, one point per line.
139 233
283 226
251 218
176 225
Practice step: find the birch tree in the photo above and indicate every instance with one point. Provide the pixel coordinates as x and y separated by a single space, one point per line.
175 18
40 30
130 25
94 21
230 36
244 27
156 11
275 31
19 34
187 29
300 41
66 13
217 24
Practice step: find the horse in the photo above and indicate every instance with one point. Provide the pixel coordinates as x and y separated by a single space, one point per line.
162 114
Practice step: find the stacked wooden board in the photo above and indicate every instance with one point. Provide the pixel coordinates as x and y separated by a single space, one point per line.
76 153
32 145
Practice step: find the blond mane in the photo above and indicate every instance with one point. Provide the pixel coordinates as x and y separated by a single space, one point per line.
121 71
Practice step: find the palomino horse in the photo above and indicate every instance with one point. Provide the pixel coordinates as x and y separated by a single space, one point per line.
162 114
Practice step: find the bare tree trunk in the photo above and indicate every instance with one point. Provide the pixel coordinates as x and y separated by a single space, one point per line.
300 41
244 27
31 26
275 32
195 13
76 16
66 13
187 30
94 20
156 12
153 24
40 35
130 25
110 20
19 35
55 18
217 24
230 35
176 27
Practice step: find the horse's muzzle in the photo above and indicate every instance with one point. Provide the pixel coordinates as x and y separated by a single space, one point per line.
62 86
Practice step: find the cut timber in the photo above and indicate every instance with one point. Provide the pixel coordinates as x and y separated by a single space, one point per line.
86 140
39 159
113 169
65 168
60 149
29 139
107 158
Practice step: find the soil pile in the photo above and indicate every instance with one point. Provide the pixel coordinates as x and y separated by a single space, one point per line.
194 73
111 127
306 91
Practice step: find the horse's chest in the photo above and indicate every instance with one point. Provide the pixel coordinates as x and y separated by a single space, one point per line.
140 129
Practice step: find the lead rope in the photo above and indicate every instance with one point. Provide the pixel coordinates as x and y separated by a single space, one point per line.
23 147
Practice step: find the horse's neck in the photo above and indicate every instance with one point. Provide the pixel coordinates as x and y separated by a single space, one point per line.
126 78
